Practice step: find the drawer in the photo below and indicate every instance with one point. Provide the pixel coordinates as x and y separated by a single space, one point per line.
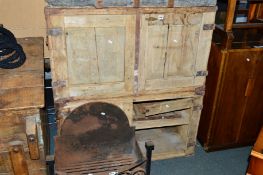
162 113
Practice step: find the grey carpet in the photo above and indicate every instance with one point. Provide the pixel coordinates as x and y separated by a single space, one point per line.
227 162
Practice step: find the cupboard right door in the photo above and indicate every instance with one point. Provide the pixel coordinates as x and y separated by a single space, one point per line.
173 48
253 115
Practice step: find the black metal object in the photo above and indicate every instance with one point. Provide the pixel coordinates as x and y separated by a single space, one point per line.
96 138
49 121
149 148
11 53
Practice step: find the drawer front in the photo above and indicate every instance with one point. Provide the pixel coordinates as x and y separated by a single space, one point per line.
162 113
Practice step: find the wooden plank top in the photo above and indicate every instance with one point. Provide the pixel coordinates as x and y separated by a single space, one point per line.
132 3
23 87
258 147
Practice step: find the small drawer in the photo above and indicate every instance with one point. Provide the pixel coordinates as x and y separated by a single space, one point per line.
162 113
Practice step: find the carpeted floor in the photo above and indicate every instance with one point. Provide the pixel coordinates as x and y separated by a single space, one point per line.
227 162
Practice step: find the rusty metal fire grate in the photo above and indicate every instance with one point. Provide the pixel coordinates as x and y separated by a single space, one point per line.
96 139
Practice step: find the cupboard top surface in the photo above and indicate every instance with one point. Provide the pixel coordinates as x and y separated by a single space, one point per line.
130 3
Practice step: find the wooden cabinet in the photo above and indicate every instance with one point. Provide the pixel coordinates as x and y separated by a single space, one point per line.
140 59
233 110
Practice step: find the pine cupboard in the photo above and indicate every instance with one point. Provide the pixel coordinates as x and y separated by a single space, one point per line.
151 62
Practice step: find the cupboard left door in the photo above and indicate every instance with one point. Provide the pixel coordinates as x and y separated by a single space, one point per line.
92 55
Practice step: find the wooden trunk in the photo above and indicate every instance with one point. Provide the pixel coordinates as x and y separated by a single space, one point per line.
22 95
23 87
151 62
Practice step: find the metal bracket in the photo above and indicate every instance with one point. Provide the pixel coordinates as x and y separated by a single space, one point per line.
59 84
209 27
198 108
54 31
201 73
200 90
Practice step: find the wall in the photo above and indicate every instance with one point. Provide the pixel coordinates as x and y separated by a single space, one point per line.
25 18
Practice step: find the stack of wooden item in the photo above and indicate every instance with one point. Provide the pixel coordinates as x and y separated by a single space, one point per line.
147 57
21 97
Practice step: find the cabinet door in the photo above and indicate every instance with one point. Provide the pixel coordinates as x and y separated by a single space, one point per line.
253 115
99 55
169 50
232 100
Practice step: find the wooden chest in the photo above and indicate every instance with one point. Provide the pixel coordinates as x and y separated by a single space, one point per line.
151 62
22 95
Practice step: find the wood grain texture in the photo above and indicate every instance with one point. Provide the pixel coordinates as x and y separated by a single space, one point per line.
232 107
35 167
256 159
165 40
230 15
253 120
13 127
215 69
18 160
32 137
169 141
107 64
24 87
152 3
168 57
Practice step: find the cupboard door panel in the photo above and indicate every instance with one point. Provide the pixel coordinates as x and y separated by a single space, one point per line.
168 51
182 49
98 52
82 56
230 109
110 52
156 51
253 116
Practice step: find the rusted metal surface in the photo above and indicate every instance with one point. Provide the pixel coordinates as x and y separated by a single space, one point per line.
96 138
200 90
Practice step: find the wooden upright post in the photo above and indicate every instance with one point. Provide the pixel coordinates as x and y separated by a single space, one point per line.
230 15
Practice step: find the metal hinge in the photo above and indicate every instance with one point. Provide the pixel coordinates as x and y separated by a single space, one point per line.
54 31
198 108
200 90
59 84
209 27
201 73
